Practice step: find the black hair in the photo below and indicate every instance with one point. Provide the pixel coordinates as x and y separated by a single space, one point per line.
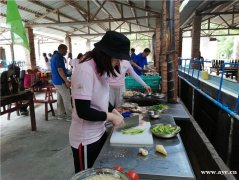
102 60
147 50
62 46
70 55
132 49
79 55
45 57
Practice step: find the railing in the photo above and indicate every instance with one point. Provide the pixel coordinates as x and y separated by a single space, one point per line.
200 61
196 86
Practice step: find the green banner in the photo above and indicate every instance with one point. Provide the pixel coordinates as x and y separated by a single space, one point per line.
15 21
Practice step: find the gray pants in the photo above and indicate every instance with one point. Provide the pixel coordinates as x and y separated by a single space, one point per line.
63 100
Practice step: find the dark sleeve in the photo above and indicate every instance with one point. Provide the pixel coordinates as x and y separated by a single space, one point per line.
110 108
84 111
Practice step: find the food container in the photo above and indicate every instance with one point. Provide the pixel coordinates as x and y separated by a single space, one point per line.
126 114
129 105
204 75
165 135
154 114
150 113
116 174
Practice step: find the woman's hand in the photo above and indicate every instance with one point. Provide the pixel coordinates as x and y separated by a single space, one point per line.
116 112
148 89
117 120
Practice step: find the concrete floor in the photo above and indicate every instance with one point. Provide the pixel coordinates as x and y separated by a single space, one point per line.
41 155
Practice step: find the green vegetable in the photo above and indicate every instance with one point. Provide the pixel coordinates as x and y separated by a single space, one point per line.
132 131
165 129
159 107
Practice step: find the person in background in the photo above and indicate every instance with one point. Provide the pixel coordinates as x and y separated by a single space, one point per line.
49 55
90 95
54 52
14 75
61 83
69 58
141 61
132 57
73 62
47 62
199 57
132 54
117 84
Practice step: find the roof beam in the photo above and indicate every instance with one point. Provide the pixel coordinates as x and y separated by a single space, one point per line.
119 26
49 8
213 29
133 6
224 21
44 15
25 21
101 6
101 34
219 13
213 5
72 3
85 22
96 2
59 13
120 11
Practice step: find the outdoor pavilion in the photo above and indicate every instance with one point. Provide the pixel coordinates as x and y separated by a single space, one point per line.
91 19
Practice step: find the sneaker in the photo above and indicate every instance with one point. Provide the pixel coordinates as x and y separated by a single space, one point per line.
68 118
24 113
60 117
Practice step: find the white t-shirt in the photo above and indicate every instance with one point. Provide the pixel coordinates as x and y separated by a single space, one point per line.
88 85
48 66
125 67
73 63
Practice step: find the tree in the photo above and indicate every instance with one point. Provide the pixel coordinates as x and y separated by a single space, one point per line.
225 46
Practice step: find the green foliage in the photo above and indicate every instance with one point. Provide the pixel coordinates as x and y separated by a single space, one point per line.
225 46
140 42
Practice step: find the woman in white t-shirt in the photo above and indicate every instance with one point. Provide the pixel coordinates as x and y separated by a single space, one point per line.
90 96
117 84
73 62
69 58
47 62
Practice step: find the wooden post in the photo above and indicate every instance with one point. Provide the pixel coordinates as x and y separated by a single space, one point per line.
32 60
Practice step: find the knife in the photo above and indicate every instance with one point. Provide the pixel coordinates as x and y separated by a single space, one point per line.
130 122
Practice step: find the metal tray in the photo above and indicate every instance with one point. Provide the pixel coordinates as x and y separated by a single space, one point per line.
96 171
165 135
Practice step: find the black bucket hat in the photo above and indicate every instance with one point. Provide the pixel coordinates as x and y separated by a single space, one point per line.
114 44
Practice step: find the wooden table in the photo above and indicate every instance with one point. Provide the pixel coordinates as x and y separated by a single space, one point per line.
48 89
229 71
17 99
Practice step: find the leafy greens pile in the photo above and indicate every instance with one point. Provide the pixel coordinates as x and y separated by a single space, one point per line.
132 131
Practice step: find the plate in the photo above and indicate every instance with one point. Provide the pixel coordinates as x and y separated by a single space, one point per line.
168 130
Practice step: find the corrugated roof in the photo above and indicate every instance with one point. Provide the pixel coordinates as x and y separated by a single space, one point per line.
71 16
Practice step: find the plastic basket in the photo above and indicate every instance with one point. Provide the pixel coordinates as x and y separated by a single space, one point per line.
152 81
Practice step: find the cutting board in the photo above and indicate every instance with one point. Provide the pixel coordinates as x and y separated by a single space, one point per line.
144 138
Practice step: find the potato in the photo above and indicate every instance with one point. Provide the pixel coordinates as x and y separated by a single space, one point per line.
143 151
159 148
